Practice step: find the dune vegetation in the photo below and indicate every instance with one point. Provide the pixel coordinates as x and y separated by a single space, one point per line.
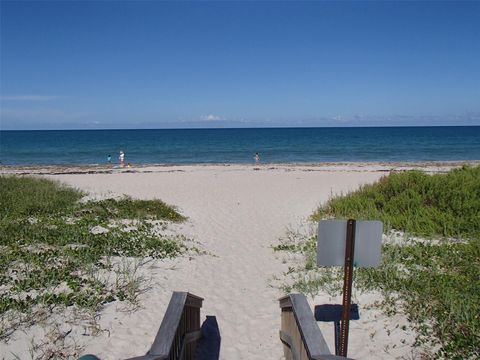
434 274
58 250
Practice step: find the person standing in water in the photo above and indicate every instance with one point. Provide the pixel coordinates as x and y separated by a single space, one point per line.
109 158
257 158
121 157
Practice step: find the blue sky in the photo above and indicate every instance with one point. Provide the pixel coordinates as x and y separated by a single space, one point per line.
82 65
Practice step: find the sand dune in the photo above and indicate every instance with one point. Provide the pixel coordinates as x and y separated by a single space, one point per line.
237 213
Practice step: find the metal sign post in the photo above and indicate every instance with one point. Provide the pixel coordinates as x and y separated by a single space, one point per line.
347 286
336 243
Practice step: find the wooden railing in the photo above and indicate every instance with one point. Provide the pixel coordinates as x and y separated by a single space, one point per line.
299 333
180 330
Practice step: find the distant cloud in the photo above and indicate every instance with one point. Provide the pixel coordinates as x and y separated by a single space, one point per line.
340 119
43 118
211 117
29 97
32 114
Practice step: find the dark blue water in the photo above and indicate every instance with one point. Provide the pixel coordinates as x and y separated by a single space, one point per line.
275 145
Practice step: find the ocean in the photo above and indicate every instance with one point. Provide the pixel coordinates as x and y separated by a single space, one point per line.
228 146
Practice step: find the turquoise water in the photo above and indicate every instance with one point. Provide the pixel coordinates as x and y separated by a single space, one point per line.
275 145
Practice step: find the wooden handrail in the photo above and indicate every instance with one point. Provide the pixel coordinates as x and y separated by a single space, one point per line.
180 329
300 333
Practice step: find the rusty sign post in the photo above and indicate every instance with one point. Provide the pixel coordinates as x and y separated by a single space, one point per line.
348 243
347 286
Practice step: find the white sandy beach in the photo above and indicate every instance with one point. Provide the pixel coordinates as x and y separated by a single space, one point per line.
237 213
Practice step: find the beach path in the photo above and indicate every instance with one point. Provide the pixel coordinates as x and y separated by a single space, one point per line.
237 214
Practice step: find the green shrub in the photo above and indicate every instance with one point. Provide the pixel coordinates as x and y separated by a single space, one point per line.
428 205
49 254
28 196
436 283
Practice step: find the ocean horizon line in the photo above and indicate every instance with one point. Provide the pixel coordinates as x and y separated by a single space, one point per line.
252 128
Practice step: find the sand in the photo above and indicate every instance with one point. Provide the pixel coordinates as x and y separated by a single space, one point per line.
237 213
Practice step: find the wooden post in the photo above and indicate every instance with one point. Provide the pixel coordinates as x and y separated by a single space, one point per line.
347 286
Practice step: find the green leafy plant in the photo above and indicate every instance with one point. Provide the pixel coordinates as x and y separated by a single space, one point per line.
51 255
436 283
445 205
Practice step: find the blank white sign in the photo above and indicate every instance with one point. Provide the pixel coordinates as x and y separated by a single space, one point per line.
331 241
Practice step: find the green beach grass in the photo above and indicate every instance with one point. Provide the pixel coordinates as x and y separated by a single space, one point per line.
56 250
434 278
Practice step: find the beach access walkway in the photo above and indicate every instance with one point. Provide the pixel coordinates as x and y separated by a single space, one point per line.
237 214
